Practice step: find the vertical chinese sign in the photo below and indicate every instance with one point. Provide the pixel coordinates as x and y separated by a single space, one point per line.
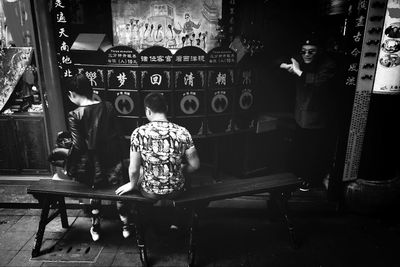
231 20
190 89
221 91
372 14
63 38
356 25
387 77
123 86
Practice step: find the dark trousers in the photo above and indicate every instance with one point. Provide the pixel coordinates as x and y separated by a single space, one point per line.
312 154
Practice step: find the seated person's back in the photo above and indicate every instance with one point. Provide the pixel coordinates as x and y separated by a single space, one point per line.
157 153
162 145
96 156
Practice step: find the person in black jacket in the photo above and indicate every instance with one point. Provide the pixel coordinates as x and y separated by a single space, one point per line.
95 157
315 74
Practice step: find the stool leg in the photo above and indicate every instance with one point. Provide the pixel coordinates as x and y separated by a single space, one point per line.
63 212
192 237
281 199
45 205
140 238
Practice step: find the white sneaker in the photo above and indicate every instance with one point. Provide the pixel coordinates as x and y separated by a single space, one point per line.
125 231
95 235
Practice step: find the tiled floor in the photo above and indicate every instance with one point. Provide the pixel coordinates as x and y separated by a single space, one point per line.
227 237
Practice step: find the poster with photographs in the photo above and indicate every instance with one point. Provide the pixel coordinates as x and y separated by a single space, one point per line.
387 79
169 23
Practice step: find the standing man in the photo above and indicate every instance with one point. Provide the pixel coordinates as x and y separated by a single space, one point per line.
314 73
161 154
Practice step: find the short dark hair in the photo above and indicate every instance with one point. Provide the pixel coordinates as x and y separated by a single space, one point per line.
156 102
80 85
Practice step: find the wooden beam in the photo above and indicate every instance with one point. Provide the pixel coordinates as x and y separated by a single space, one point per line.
51 77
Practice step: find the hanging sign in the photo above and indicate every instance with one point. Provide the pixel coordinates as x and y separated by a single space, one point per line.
189 55
361 76
221 56
122 55
156 55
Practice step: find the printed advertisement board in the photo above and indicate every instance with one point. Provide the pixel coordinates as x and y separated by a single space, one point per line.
172 24
387 79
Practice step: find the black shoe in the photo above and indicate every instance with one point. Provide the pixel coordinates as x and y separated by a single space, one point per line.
304 186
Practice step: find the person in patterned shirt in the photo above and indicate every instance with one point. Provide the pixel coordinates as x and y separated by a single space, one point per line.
161 153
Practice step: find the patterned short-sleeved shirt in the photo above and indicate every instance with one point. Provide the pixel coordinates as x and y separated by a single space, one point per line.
162 145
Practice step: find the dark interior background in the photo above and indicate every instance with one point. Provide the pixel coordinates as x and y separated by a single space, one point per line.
280 27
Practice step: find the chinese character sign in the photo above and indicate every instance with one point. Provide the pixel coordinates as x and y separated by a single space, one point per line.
221 78
63 40
122 78
190 79
122 55
355 34
172 24
156 79
387 79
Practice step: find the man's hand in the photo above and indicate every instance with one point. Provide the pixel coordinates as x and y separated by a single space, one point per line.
295 67
285 66
125 188
193 161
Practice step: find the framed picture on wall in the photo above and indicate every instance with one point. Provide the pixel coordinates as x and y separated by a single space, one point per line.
172 24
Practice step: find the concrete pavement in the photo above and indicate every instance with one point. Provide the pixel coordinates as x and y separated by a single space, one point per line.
227 237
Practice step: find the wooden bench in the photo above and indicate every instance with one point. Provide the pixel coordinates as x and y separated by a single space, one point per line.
51 195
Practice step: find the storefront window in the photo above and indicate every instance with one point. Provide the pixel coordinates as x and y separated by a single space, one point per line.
23 138
19 91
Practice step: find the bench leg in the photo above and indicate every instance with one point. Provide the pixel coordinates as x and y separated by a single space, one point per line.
272 209
140 237
192 237
281 200
63 212
45 205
